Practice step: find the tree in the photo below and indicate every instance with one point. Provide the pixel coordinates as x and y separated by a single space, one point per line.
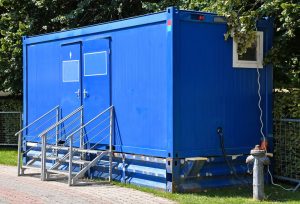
31 17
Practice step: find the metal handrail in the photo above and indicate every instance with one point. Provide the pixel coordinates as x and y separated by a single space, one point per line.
97 116
56 107
19 133
71 148
71 136
61 121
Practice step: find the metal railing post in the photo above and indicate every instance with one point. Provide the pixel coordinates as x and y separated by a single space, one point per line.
43 159
70 161
57 127
110 142
19 153
81 130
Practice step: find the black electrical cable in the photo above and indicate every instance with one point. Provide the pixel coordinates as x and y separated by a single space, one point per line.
220 133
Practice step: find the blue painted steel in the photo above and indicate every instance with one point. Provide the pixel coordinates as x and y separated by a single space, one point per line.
210 93
170 79
96 84
70 90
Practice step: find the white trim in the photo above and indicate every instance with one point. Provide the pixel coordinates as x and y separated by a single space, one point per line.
259 54
92 53
63 71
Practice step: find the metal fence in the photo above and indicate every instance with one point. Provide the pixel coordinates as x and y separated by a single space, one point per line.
10 123
287 149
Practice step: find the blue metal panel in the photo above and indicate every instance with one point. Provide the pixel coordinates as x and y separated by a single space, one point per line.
97 85
139 89
190 175
70 55
210 93
42 85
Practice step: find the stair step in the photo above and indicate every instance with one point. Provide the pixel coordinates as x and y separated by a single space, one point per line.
53 158
30 167
58 171
104 163
76 149
89 151
57 147
33 144
78 161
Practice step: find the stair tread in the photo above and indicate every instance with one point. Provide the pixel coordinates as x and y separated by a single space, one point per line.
48 157
78 161
76 149
59 171
30 167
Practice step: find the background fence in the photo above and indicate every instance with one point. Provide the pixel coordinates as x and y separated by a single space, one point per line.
10 123
287 149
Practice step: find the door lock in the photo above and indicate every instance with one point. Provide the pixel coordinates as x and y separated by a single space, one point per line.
85 94
77 93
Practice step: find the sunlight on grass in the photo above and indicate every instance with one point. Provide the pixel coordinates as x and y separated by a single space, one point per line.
8 156
226 195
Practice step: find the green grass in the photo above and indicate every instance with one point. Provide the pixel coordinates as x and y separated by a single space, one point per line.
8 156
226 195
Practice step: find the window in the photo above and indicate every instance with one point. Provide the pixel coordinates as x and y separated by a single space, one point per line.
95 63
70 71
253 58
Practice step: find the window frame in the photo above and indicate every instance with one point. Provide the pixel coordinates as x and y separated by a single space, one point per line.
259 54
64 68
93 53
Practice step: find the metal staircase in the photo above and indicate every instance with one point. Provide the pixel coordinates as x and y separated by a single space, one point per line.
68 147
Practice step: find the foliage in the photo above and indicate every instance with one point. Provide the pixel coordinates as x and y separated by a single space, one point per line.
31 17
11 103
286 103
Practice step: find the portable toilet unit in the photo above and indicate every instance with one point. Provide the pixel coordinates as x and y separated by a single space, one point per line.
173 81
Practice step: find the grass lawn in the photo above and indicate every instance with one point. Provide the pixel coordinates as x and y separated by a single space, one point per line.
8 156
225 195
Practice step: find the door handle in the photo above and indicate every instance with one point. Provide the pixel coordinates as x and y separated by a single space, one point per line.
77 93
85 94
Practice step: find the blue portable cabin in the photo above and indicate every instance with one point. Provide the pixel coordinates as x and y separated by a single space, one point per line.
172 79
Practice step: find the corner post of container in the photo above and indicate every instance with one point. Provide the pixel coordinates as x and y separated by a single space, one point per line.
172 19
24 115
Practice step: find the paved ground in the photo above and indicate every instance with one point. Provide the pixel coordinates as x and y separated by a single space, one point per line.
28 189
